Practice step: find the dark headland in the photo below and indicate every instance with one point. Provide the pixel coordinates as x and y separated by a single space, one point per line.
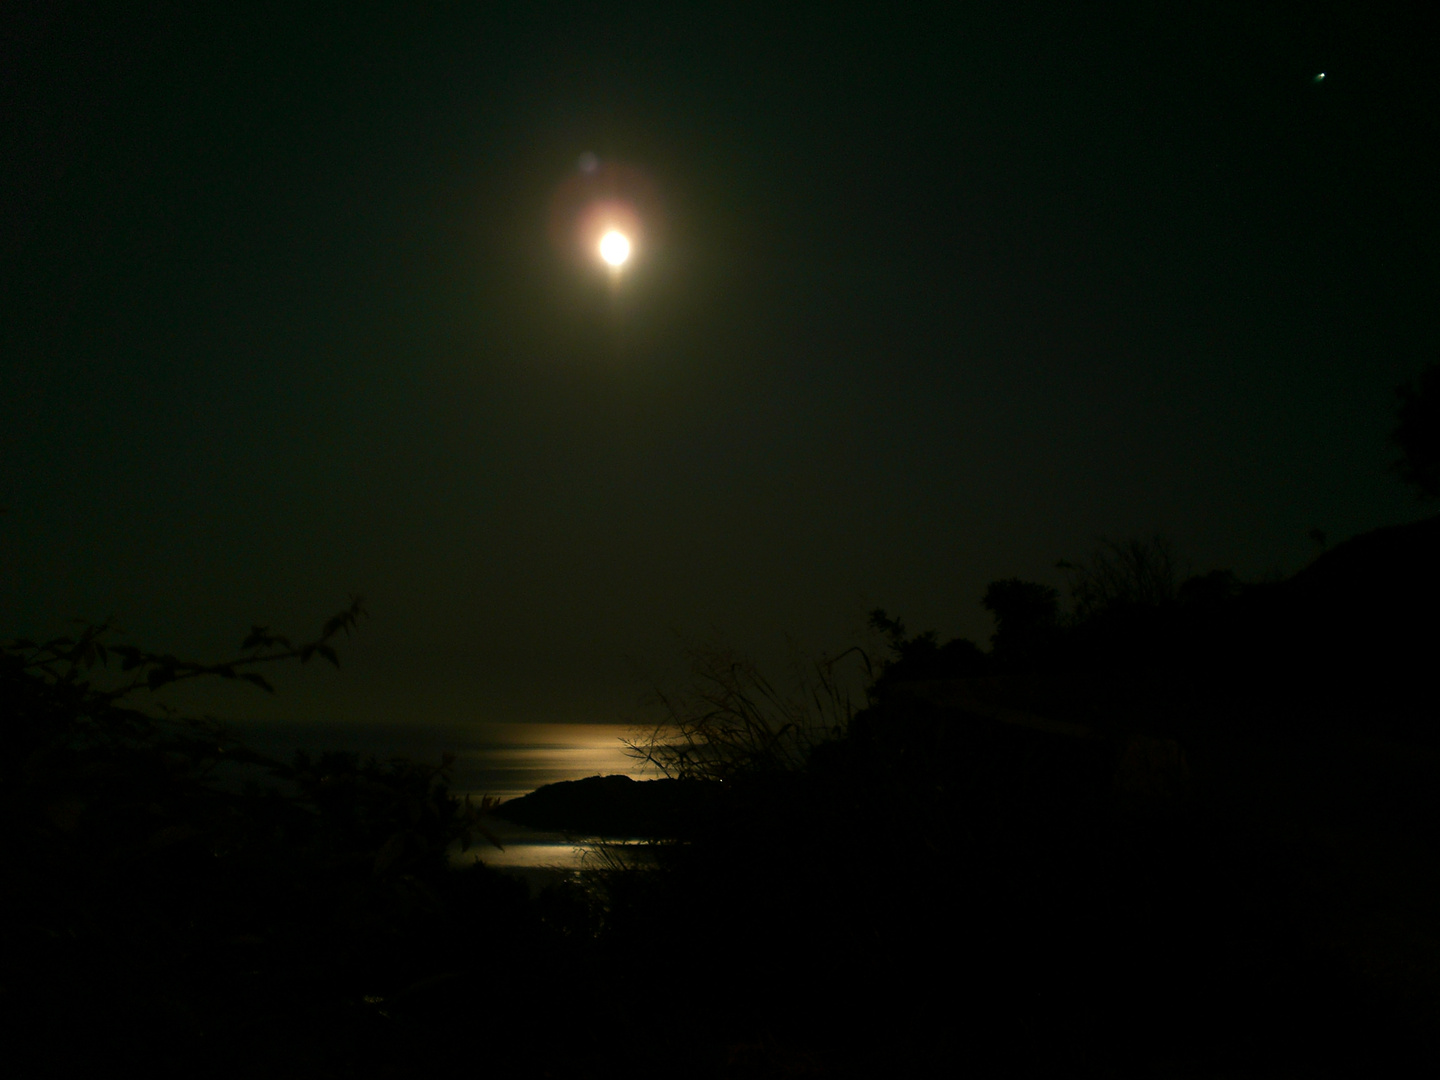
613 807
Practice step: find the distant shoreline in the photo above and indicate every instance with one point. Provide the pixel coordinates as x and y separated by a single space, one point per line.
504 759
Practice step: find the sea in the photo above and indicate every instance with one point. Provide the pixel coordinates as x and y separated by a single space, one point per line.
497 759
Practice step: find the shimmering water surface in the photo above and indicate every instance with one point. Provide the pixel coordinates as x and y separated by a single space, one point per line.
505 760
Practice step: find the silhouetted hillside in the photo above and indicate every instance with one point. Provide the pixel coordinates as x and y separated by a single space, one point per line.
613 806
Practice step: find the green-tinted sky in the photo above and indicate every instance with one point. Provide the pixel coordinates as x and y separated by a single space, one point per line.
929 297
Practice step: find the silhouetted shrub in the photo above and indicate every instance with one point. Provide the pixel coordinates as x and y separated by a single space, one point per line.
921 657
1027 616
176 895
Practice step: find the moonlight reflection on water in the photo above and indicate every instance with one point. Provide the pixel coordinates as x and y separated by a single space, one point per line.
518 758
504 760
508 760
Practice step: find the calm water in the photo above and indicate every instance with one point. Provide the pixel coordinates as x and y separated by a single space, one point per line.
499 759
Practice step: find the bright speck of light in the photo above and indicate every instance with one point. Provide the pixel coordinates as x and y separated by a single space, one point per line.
1320 77
614 248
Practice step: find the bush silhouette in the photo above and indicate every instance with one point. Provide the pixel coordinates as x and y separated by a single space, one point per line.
179 895
1026 619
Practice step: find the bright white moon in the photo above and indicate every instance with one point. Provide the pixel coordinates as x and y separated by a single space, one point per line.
614 248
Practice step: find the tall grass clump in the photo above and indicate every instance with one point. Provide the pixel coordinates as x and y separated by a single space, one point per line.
730 720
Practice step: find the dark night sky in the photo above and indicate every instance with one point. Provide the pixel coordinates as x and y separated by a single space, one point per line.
927 299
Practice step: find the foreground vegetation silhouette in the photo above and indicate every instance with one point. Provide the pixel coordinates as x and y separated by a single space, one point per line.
1177 824
1163 825
179 902
1172 824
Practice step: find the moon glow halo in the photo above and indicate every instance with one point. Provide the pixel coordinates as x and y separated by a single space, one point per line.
606 213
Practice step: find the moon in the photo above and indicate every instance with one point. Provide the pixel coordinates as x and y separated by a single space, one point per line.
614 247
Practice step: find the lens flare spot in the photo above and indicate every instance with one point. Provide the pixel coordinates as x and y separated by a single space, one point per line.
614 248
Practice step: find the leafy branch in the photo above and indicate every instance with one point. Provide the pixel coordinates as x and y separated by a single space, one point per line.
65 659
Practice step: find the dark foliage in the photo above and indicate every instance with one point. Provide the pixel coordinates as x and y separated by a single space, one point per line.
179 902
1106 847
1027 618
921 657
1091 851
